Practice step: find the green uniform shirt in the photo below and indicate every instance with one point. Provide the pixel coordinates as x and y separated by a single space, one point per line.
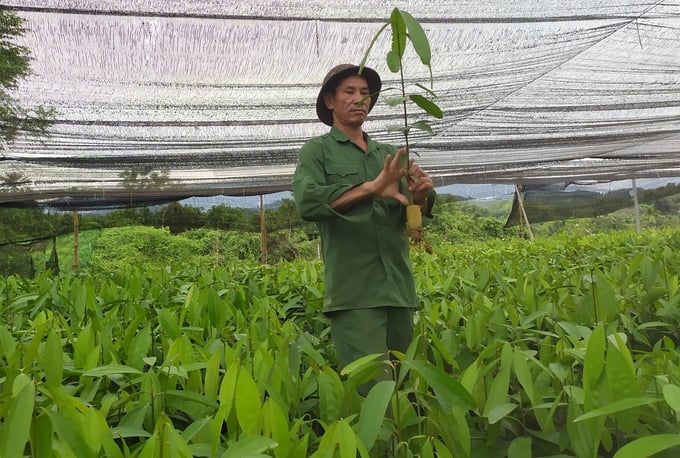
365 249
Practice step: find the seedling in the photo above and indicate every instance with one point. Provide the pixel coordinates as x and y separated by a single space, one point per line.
404 29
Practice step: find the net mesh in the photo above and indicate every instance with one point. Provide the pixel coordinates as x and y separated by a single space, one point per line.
164 100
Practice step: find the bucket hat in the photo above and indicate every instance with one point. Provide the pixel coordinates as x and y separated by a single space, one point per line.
334 77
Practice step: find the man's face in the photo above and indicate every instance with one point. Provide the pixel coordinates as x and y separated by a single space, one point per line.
350 101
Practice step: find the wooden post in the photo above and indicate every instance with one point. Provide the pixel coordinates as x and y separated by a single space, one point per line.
76 229
522 212
263 233
638 225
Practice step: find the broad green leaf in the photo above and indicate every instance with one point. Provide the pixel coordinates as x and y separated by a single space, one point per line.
523 374
359 363
393 62
54 360
248 404
7 342
398 33
520 448
422 125
593 368
370 47
500 385
616 407
17 423
194 428
129 431
276 427
41 437
448 390
134 418
228 388
428 105
583 439
648 446
178 398
432 94
418 38
373 411
621 381
398 128
139 348
347 440
331 393
394 101
69 435
111 369
671 393
212 374
499 412
249 447
168 322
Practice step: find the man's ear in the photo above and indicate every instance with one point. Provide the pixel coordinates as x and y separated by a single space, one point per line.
328 100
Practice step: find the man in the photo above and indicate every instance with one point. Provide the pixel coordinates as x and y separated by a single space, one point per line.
355 189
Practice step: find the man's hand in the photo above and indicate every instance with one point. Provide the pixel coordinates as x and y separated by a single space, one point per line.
386 184
420 183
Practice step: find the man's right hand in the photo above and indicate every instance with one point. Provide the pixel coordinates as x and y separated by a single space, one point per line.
386 184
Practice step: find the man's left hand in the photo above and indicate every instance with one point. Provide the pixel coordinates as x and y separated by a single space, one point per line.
420 183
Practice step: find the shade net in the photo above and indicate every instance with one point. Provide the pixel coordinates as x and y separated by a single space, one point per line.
158 100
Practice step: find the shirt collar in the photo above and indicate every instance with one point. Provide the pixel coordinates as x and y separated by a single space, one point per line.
340 136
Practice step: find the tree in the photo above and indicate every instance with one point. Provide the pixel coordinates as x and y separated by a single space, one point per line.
15 65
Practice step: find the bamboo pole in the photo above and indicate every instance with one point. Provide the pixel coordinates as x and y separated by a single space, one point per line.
263 233
522 212
636 205
76 244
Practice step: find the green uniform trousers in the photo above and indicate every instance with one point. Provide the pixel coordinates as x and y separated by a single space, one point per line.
361 332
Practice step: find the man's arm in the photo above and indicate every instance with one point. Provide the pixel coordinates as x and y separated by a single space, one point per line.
386 184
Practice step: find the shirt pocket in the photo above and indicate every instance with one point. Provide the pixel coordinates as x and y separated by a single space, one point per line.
338 173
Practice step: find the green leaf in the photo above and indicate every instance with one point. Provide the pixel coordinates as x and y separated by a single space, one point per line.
398 33
648 446
17 423
499 412
500 385
130 431
247 402
359 363
54 360
434 95
520 448
168 322
394 101
139 348
418 38
111 369
373 411
249 447
428 105
69 435
422 125
523 374
448 390
41 437
276 427
331 393
398 128
617 406
212 374
370 46
393 62
671 393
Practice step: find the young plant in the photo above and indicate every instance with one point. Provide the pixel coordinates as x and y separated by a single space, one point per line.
405 28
